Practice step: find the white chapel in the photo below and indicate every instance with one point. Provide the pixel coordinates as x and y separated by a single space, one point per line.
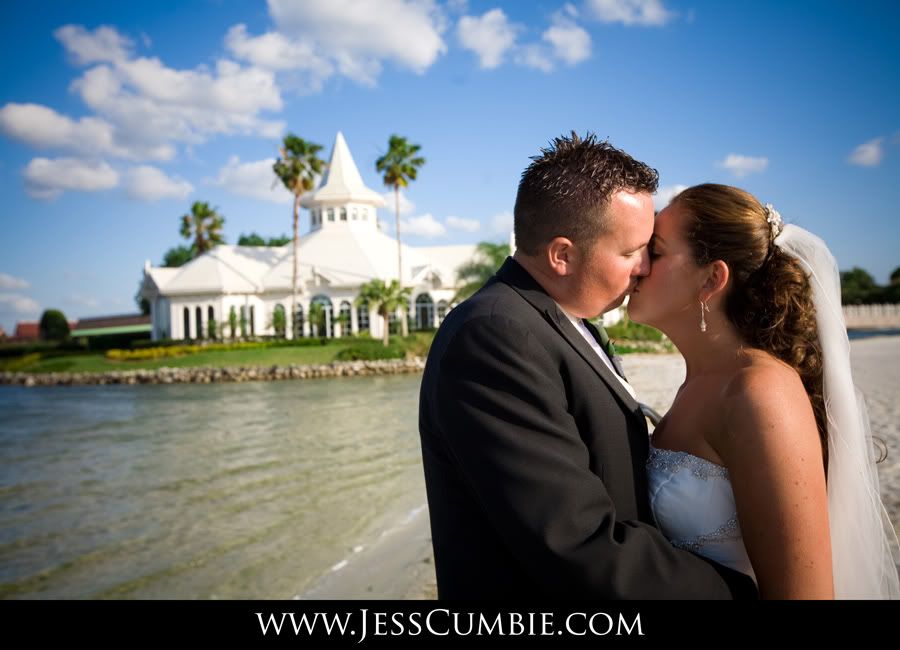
343 250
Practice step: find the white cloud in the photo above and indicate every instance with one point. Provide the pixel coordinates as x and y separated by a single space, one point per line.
742 165
490 36
407 207
466 225
47 179
535 56
425 226
354 36
16 304
664 195
570 43
502 223
631 12
254 179
142 107
145 183
85 301
44 128
103 45
11 282
275 51
868 154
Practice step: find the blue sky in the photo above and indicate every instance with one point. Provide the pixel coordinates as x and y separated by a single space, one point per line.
115 116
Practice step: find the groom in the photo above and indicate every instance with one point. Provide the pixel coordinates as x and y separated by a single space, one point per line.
533 444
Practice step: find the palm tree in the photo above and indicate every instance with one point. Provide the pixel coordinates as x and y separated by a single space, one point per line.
298 167
317 321
400 165
204 226
488 258
386 298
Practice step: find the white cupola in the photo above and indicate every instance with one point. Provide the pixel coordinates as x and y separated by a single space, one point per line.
342 199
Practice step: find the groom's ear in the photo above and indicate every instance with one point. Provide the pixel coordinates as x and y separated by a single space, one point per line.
716 278
562 256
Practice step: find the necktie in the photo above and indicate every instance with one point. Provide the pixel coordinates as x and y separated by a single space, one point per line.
610 350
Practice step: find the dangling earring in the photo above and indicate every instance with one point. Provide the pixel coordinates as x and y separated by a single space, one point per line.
704 309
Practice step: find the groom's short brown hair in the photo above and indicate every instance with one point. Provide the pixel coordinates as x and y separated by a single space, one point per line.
565 190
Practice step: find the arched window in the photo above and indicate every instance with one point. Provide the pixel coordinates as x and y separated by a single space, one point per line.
211 318
252 320
331 214
187 323
233 321
364 214
424 312
279 320
442 308
199 314
298 322
243 320
345 318
320 318
343 214
362 316
355 214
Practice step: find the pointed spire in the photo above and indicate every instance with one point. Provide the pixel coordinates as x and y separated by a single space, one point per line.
342 181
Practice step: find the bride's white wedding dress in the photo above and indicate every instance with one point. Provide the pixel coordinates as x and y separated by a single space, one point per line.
692 499
693 505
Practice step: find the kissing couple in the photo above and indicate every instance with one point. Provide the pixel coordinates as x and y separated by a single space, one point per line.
542 479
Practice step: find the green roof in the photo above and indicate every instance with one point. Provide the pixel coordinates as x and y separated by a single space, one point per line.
102 331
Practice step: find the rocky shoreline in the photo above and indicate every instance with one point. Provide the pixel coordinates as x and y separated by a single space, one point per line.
209 375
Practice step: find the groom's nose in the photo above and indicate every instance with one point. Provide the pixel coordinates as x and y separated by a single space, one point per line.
644 265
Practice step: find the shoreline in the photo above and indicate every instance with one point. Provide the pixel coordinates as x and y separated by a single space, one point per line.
214 374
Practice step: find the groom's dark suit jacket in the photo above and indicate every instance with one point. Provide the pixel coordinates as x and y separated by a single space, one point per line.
534 459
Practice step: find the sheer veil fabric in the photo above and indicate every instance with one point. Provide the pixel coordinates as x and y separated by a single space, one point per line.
864 546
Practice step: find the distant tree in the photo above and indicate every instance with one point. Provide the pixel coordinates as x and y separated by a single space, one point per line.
179 256
278 321
400 165
473 274
895 276
212 328
278 241
317 320
204 225
142 303
858 287
233 321
53 326
251 240
385 299
298 167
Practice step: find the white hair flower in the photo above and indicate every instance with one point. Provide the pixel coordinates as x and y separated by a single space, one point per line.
776 224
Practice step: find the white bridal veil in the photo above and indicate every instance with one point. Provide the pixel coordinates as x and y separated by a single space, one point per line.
864 546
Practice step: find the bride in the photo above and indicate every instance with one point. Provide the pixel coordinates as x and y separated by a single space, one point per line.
765 462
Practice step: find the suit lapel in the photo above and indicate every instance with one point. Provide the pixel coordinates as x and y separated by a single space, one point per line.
519 279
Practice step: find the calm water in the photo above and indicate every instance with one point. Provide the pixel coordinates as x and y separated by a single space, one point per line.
247 490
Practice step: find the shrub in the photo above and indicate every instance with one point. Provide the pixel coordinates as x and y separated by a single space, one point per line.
54 326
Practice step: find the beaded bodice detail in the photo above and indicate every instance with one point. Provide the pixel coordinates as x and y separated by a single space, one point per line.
693 505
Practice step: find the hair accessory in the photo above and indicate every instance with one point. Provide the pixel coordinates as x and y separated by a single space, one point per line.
776 224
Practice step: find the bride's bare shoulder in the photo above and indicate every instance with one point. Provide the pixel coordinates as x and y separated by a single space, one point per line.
766 408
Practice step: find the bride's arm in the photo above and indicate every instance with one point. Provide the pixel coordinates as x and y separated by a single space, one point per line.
771 447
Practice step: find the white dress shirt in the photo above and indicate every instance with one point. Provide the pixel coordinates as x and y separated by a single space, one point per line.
595 345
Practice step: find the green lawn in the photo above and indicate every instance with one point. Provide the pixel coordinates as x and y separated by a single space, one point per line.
283 356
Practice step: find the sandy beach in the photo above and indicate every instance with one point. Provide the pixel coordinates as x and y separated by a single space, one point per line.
401 565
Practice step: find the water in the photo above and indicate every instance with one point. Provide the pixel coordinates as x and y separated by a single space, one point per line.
251 490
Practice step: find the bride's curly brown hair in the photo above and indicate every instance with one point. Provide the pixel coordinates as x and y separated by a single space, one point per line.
770 301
